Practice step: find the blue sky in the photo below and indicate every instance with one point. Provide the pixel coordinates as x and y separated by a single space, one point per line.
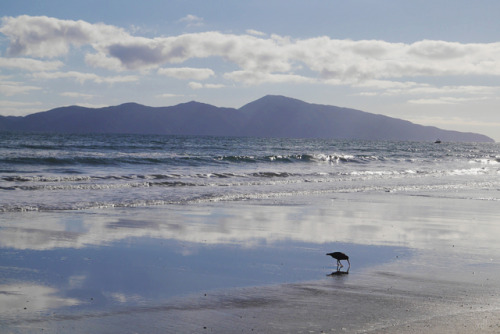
431 62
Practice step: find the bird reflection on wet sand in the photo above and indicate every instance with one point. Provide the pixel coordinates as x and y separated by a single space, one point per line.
338 273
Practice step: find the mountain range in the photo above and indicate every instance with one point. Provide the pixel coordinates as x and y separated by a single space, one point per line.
270 116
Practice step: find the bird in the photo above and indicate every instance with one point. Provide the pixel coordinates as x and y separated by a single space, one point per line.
340 256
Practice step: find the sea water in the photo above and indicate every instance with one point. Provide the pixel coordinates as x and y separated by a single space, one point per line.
97 226
53 172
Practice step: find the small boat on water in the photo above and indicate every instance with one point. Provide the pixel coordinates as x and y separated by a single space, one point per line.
438 141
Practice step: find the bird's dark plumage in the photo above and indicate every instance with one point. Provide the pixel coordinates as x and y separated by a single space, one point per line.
340 256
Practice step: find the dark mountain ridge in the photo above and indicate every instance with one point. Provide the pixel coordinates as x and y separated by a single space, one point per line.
270 116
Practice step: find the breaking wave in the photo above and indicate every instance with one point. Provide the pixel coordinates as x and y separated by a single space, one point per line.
75 172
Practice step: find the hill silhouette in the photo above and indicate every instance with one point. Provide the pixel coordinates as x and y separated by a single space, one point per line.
270 116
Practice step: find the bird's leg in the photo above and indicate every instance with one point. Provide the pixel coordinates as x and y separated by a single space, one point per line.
339 264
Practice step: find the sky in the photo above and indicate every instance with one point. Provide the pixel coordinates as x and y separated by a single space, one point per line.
432 62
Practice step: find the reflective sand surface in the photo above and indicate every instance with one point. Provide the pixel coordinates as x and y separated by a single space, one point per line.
246 266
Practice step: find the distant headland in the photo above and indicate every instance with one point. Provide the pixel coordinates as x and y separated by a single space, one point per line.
269 116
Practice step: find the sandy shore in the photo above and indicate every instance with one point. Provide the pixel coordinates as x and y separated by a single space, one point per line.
325 307
419 265
375 304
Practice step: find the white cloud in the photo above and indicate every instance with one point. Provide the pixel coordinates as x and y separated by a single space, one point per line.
195 85
198 85
17 104
213 86
388 84
439 49
169 95
18 108
367 60
428 92
255 32
444 100
444 90
101 60
83 77
256 78
10 88
42 298
191 20
76 95
463 123
46 37
433 101
91 105
28 64
247 52
186 73
259 59
368 94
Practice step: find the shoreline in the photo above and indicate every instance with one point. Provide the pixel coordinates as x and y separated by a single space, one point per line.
419 264
323 306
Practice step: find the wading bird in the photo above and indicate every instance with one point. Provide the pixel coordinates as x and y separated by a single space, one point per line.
340 256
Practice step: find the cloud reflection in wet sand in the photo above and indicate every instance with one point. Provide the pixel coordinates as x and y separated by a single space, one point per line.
138 257
31 298
405 221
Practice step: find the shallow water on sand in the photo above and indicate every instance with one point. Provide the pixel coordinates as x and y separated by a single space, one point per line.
78 268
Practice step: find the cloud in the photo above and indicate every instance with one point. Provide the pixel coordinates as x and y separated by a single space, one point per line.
46 37
91 105
17 104
439 49
13 297
18 108
76 95
435 101
140 53
195 85
169 95
444 90
191 20
428 92
29 64
255 32
259 58
247 52
186 73
213 86
101 60
367 60
10 88
461 123
198 85
83 77
257 78
445 100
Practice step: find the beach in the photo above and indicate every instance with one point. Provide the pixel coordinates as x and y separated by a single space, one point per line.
422 263
249 167
179 234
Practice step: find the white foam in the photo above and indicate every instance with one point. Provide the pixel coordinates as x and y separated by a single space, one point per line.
487 161
471 171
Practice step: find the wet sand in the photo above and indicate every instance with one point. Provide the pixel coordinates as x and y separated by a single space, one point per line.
421 263
313 307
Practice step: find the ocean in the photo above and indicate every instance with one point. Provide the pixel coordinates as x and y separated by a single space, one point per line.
155 234
53 172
